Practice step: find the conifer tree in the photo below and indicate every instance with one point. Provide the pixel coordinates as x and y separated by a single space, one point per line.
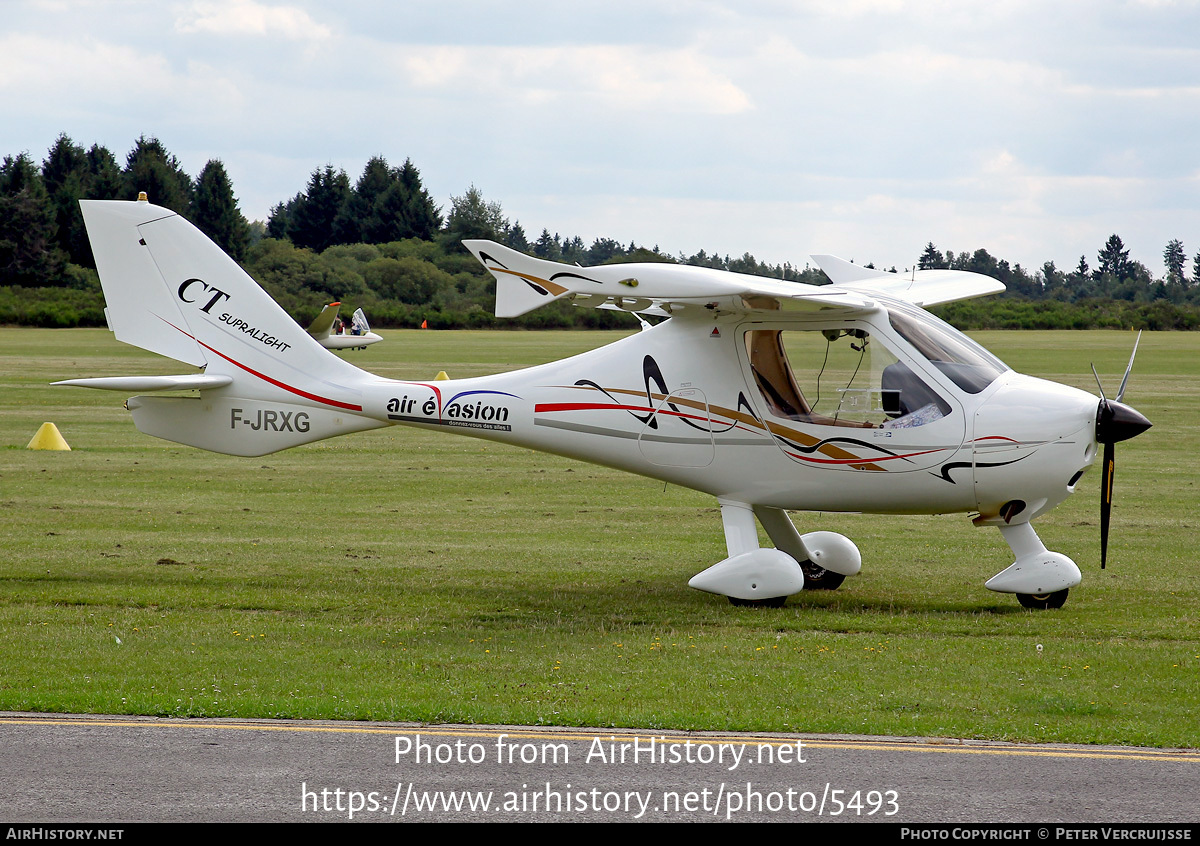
315 219
1175 259
422 217
29 254
104 174
1114 258
150 168
215 211
932 258
515 237
362 214
547 246
65 175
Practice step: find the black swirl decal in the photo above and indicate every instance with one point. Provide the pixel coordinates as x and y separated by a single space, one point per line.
958 465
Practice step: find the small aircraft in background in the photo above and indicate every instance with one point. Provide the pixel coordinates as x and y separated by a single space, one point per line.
771 396
331 333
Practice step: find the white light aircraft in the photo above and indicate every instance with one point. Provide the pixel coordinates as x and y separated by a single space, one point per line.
359 337
771 396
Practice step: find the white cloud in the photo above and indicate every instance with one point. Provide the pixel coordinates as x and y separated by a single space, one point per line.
94 74
36 65
623 77
247 17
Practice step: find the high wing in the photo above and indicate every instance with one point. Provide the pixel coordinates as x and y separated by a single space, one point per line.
523 283
921 287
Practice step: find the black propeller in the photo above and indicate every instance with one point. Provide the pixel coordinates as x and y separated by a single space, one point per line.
1115 421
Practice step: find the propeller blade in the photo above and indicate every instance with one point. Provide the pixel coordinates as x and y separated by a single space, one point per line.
1129 368
1106 489
1115 421
1103 399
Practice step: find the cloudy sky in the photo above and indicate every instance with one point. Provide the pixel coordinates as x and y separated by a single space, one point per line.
861 128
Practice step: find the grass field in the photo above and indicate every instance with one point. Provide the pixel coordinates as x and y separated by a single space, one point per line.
405 575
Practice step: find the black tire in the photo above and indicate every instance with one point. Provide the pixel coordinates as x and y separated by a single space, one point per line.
770 602
818 578
1043 601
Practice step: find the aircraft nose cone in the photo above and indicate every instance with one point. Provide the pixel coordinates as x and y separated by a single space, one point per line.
1116 421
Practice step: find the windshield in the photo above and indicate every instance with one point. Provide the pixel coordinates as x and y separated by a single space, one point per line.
963 361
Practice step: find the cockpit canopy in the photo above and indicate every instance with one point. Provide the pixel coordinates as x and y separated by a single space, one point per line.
849 377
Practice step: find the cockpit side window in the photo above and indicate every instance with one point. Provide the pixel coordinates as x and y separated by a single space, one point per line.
838 377
773 375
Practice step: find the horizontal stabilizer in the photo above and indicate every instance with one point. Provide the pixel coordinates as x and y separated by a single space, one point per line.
133 384
522 282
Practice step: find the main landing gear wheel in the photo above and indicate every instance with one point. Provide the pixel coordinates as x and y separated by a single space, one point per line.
771 602
1043 601
818 578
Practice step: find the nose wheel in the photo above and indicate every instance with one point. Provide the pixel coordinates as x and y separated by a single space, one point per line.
1040 578
1043 601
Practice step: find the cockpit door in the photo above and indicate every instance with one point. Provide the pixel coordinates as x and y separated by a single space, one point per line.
679 431
848 397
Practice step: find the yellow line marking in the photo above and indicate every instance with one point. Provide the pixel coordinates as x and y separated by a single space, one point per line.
898 745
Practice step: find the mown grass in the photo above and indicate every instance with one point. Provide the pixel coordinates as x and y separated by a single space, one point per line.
405 575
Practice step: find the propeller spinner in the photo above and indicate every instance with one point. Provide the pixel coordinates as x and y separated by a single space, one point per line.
1115 422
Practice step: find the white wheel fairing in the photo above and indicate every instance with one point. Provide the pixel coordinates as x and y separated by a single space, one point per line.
758 574
1041 573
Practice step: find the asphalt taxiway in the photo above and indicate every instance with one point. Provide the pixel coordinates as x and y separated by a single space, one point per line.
76 768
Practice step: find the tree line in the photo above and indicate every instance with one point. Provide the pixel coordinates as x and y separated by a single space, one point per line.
384 244
1115 276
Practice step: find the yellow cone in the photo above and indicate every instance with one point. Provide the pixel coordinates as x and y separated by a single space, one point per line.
48 437
441 377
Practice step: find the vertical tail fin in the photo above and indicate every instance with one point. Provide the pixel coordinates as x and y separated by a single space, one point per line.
172 291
